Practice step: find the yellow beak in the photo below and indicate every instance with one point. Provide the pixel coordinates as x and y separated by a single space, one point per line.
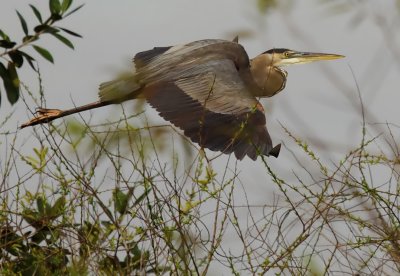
306 57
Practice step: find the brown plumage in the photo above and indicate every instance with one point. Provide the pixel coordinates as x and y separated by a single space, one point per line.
207 88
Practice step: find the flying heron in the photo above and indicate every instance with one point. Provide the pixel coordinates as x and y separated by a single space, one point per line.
207 88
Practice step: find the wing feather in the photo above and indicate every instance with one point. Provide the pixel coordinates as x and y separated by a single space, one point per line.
214 113
198 87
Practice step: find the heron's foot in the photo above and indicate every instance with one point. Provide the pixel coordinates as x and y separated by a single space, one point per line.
46 112
43 115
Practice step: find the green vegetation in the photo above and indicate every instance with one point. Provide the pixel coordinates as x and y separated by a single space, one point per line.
130 197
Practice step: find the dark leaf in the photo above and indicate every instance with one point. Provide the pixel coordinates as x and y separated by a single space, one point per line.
3 76
40 205
29 59
37 13
13 91
56 17
58 207
70 32
64 40
48 209
10 81
3 70
29 38
44 53
74 10
45 28
55 7
40 236
17 58
65 5
141 197
7 44
23 23
11 241
13 250
120 201
135 251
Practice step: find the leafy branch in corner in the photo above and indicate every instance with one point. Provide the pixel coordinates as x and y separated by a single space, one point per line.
13 57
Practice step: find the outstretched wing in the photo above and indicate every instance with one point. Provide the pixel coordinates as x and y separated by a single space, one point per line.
167 63
214 108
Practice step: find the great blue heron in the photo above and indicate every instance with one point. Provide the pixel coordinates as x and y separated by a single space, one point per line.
207 88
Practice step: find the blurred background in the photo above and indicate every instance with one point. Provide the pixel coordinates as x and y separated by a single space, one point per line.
320 104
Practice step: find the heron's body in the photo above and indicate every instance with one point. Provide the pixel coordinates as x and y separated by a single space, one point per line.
208 88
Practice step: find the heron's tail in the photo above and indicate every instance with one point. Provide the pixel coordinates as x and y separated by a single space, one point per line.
119 90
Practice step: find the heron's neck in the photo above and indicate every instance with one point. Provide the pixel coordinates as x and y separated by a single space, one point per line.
268 78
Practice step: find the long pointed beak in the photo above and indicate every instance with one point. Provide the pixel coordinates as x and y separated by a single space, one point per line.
306 57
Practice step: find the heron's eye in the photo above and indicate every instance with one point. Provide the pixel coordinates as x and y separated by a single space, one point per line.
286 54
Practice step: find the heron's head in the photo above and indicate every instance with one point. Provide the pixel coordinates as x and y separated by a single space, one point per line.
282 57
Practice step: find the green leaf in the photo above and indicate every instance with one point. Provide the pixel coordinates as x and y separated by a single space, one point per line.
45 28
58 207
12 71
40 205
48 209
55 7
64 40
44 53
141 197
120 201
17 58
4 35
70 32
10 81
29 59
23 23
74 10
36 12
65 5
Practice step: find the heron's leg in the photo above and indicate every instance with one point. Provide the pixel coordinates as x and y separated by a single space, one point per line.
44 115
47 112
